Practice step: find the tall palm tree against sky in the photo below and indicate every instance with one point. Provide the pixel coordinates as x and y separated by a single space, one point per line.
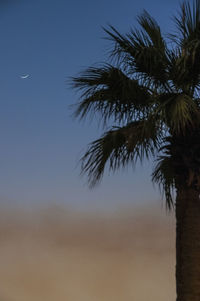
150 91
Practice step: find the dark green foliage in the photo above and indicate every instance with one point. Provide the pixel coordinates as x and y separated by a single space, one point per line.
119 147
150 92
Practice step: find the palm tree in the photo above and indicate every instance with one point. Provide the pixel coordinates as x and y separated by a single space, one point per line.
150 91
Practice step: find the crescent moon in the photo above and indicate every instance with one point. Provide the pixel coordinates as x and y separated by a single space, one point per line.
24 76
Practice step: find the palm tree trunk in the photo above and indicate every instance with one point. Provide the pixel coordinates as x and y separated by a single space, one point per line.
188 245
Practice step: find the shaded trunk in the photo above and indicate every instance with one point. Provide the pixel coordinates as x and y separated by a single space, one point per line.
188 245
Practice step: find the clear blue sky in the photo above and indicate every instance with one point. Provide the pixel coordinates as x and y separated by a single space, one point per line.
40 142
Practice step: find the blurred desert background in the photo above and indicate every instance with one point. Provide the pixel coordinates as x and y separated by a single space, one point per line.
55 253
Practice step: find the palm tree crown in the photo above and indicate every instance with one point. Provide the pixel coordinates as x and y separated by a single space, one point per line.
150 92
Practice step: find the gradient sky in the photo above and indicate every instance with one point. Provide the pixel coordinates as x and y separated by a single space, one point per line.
40 141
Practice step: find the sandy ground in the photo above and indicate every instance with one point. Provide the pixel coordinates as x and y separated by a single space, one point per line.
53 254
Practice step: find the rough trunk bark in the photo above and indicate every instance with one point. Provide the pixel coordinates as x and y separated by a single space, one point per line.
188 245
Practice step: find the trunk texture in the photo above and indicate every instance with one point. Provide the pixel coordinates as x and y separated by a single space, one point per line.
188 245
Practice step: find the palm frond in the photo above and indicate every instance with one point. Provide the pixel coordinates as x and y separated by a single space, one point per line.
151 27
108 91
120 146
184 68
188 23
178 111
163 175
143 51
188 40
